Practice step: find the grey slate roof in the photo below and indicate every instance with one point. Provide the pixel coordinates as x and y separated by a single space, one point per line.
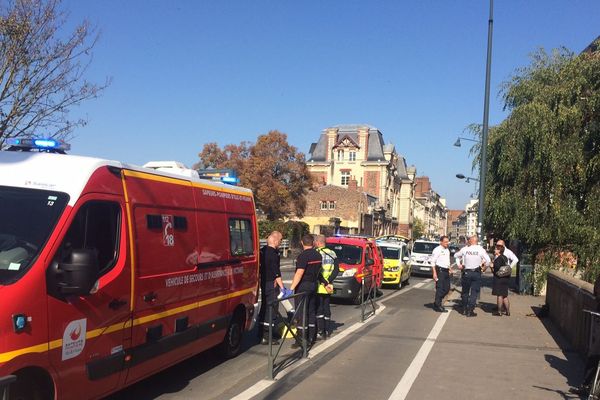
318 151
401 167
388 148
375 146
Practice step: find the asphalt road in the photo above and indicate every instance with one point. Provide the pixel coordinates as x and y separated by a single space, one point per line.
208 376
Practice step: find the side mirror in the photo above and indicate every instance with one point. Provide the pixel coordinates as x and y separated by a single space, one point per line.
77 276
406 259
369 262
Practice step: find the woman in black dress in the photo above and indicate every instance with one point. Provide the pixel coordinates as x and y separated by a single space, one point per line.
500 285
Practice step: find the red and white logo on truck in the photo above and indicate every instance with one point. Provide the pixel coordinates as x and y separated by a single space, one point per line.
74 339
168 235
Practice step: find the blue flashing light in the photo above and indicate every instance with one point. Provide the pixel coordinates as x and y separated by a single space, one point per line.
42 144
232 180
46 143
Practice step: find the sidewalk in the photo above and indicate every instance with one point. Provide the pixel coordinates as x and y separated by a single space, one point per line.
521 356
485 357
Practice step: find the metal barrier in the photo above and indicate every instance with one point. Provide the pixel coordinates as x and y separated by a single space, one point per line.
284 247
526 279
288 321
5 383
369 300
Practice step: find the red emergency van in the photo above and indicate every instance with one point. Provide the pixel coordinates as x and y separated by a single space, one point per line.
111 272
358 256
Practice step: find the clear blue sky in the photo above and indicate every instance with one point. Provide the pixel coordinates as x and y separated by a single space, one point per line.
190 72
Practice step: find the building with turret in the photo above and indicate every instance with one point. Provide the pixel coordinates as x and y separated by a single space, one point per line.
358 153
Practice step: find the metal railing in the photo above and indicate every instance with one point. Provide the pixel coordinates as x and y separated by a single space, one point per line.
289 320
5 383
284 247
367 301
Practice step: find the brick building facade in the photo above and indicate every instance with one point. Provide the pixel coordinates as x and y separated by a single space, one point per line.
348 153
336 209
432 209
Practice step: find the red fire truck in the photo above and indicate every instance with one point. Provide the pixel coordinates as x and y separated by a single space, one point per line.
111 272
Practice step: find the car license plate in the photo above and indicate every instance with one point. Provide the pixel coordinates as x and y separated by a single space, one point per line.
424 269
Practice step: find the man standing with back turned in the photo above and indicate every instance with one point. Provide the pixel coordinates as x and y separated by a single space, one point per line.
471 259
329 271
270 283
440 258
308 270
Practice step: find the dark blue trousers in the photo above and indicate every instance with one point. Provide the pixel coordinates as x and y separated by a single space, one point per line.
442 286
471 284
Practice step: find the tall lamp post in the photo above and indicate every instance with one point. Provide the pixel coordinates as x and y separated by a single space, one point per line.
486 115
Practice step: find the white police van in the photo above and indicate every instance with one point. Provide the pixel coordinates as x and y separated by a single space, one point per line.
421 257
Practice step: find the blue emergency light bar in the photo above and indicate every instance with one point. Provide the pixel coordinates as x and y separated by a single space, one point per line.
224 175
231 180
40 144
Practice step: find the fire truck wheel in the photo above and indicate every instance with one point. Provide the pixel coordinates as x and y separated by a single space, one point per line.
232 344
26 390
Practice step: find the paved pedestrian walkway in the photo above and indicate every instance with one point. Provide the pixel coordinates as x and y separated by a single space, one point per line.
410 352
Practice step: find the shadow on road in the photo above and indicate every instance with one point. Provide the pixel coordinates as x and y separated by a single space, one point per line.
572 366
564 395
488 307
176 378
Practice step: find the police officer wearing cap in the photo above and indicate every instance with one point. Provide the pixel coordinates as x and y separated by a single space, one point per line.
471 259
440 258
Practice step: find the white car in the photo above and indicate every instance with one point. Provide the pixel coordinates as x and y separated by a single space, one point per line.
421 257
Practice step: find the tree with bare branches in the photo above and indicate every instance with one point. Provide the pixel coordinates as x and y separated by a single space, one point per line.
42 70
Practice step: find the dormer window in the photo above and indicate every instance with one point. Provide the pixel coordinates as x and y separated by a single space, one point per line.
352 156
340 155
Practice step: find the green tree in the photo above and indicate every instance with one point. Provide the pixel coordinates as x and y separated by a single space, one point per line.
418 229
543 177
42 67
274 170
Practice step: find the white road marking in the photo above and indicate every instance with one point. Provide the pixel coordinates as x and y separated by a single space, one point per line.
263 384
411 374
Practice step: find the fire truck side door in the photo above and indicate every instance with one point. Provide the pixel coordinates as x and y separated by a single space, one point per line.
87 333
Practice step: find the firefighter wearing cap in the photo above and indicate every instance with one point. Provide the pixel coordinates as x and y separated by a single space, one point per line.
330 268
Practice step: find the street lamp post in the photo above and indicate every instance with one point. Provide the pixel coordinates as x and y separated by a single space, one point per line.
468 178
457 143
486 115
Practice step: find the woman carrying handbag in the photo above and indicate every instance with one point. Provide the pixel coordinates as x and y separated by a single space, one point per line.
502 272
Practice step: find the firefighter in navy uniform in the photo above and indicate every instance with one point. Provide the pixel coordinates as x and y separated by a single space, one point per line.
306 278
329 271
472 259
270 283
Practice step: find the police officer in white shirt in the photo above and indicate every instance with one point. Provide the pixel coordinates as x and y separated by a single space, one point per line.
470 259
440 258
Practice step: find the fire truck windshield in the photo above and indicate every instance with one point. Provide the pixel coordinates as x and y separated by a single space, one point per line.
27 218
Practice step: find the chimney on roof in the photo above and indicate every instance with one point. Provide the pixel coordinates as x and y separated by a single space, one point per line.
353 184
331 141
363 139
